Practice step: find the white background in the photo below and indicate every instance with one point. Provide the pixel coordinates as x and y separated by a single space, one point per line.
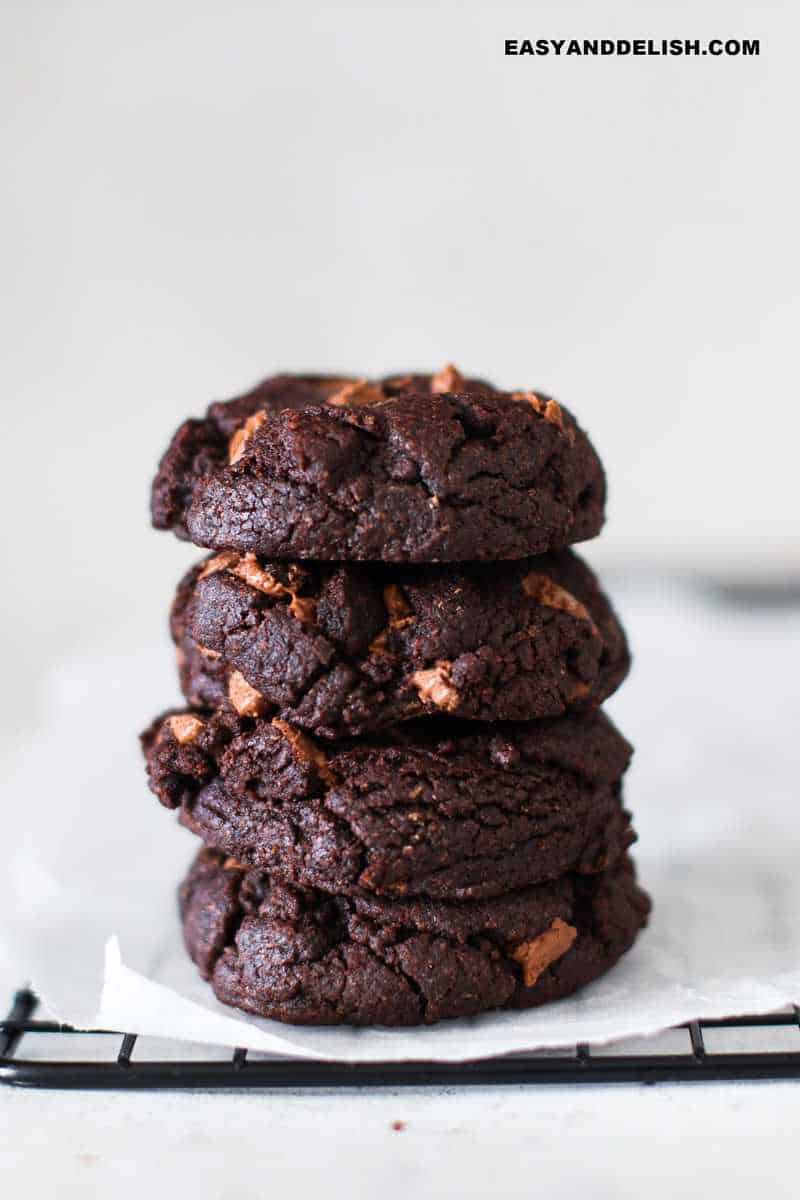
198 194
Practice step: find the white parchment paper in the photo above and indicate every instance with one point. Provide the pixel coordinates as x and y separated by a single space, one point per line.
91 862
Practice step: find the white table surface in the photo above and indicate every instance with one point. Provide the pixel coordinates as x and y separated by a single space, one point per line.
732 1140
611 1141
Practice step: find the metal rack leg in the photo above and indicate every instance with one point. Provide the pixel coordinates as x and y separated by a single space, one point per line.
22 1010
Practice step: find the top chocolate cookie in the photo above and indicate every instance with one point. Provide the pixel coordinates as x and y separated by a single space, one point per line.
411 469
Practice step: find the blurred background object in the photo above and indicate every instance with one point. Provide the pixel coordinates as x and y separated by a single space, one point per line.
199 195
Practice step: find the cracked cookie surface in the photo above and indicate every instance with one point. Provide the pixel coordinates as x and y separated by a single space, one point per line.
343 650
440 808
409 469
304 957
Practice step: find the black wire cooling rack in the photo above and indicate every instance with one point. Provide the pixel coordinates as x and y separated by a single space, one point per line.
122 1070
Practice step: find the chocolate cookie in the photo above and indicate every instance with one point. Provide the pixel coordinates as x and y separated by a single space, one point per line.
304 957
413 469
441 809
345 650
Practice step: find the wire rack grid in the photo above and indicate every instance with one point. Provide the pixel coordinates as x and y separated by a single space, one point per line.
120 1069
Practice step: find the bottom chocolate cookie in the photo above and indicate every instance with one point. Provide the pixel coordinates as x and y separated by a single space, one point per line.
304 957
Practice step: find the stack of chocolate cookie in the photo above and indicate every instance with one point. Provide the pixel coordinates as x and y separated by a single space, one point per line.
393 749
